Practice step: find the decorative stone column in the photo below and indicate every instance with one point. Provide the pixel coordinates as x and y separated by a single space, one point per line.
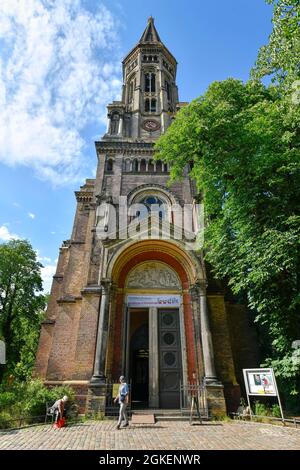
194 293
102 334
153 359
214 388
207 344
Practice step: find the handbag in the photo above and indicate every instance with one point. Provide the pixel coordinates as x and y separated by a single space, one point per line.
60 423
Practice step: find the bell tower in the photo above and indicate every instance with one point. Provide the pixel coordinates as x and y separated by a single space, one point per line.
149 95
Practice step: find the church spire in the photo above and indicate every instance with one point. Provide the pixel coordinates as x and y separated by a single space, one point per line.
149 94
150 34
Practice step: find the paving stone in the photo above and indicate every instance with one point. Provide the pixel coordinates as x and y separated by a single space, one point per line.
164 435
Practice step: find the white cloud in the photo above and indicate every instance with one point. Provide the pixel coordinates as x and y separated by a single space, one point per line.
5 234
59 67
44 259
48 272
31 215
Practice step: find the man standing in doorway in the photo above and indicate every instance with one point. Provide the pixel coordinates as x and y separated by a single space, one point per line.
122 398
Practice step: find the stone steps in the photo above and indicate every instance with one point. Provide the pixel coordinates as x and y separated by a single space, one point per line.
167 414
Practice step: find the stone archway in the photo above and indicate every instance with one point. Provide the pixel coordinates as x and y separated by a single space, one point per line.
154 268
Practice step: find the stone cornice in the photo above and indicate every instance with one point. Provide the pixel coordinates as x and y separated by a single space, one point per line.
84 196
91 290
68 299
48 322
123 147
143 48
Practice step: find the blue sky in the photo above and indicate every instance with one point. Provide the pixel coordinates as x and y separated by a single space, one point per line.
60 64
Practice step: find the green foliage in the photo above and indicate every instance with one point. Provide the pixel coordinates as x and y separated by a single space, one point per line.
5 420
261 409
7 399
280 57
21 305
97 416
244 140
275 411
28 399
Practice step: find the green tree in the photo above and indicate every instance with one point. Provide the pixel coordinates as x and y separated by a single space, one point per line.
280 58
21 305
242 141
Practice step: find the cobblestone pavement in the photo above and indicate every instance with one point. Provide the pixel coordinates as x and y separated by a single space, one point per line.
160 436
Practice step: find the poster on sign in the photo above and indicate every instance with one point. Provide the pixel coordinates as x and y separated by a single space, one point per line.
260 382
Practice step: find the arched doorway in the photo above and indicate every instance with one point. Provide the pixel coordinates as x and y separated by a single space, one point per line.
152 279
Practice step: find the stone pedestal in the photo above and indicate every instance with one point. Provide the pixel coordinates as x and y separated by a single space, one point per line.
216 400
96 399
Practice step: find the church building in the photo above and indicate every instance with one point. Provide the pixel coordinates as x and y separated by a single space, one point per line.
132 294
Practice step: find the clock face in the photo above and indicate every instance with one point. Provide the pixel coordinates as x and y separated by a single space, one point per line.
151 125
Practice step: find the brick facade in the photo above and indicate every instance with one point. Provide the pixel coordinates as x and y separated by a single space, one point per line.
83 337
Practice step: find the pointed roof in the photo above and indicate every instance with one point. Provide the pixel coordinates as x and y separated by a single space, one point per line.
150 34
150 37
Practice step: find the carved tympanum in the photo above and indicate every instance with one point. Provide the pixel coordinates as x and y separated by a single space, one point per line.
153 275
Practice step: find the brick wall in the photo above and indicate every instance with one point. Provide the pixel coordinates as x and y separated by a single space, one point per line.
222 351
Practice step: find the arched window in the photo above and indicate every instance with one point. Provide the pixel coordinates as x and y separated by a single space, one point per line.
115 123
150 82
143 165
130 93
154 204
127 166
135 165
168 90
158 166
153 105
147 105
109 165
151 166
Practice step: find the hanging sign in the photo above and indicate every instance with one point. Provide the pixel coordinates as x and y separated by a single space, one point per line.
153 300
